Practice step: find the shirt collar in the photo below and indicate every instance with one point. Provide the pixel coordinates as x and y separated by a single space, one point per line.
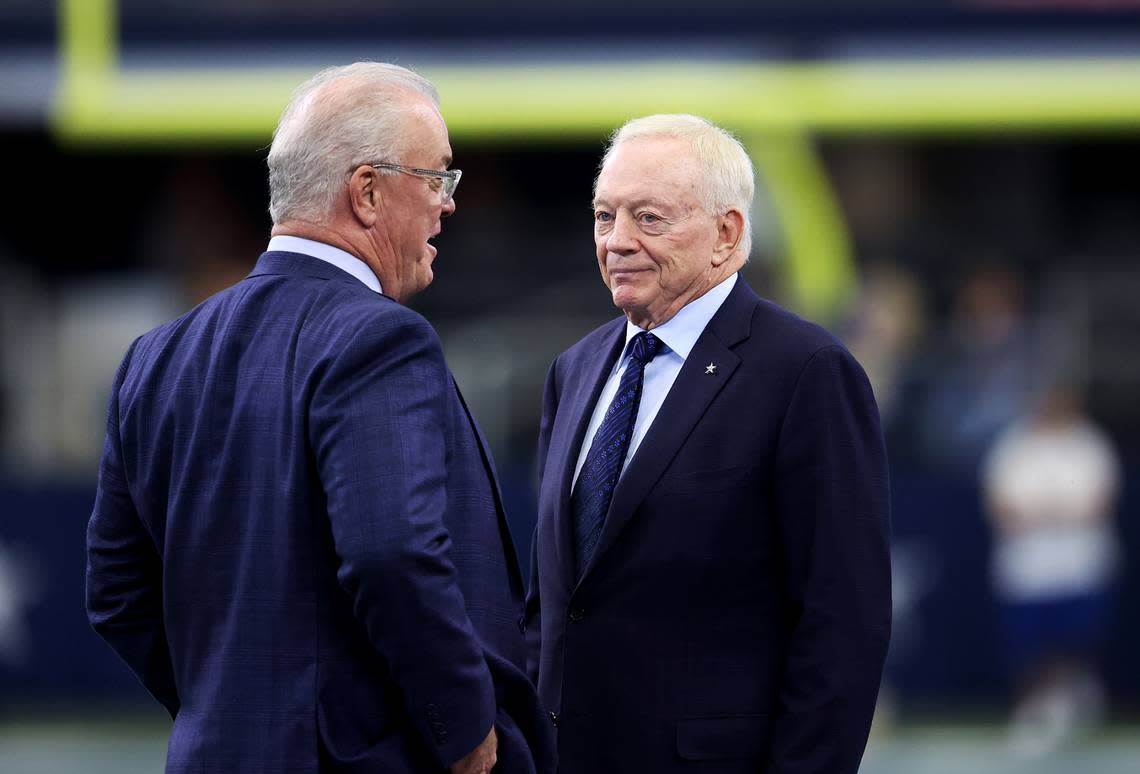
681 331
344 261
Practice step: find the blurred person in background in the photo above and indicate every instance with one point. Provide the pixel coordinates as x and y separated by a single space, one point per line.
298 542
725 601
1050 483
970 383
885 328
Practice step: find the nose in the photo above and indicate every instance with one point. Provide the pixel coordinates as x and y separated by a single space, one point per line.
622 240
448 208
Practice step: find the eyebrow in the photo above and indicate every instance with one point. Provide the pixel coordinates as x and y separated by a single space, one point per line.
643 201
446 161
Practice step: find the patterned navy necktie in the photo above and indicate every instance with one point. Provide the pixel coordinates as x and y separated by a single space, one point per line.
599 475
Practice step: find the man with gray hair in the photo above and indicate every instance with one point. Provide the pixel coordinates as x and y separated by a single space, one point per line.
710 576
298 542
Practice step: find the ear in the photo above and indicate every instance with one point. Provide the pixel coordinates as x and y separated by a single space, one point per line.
364 195
729 230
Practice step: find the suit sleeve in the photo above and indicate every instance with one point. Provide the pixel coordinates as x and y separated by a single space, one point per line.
124 571
833 505
377 424
533 606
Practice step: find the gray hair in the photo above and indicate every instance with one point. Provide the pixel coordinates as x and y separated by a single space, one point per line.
340 118
727 180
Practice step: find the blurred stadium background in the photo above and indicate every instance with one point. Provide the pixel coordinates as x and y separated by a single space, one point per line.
952 187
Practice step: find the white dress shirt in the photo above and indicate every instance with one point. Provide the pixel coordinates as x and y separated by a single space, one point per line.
329 254
678 335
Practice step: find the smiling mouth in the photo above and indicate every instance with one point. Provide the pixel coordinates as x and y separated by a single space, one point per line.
625 273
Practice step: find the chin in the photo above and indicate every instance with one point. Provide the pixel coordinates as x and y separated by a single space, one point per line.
625 297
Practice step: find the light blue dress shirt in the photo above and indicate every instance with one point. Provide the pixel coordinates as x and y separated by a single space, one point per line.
339 258
679 335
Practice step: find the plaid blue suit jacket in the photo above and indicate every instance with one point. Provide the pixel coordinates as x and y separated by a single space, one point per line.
298 542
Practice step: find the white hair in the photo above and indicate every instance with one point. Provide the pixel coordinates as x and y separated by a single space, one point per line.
337 120
727 181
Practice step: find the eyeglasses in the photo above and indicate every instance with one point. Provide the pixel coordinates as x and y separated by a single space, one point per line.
443 181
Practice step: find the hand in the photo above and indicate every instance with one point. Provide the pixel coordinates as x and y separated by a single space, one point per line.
480 760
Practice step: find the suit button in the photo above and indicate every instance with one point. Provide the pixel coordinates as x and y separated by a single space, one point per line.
522 624
554 719
577 614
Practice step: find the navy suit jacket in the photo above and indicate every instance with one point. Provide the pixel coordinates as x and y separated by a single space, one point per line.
735 614
298 543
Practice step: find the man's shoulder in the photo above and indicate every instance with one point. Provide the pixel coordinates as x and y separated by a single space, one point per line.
164 332
772 338
782 332
332 313
773 331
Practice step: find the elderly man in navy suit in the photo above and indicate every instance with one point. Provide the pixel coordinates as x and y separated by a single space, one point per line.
711 576
298 541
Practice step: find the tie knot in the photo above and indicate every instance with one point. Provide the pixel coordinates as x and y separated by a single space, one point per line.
645 347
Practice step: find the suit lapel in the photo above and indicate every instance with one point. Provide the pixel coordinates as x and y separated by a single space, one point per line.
569 436
686 403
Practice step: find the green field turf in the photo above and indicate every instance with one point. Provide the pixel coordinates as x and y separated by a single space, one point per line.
137 744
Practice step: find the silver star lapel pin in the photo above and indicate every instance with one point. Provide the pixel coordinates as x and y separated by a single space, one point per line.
710 368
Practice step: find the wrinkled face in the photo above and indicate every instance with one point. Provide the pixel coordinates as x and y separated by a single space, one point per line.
412 211
653 237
